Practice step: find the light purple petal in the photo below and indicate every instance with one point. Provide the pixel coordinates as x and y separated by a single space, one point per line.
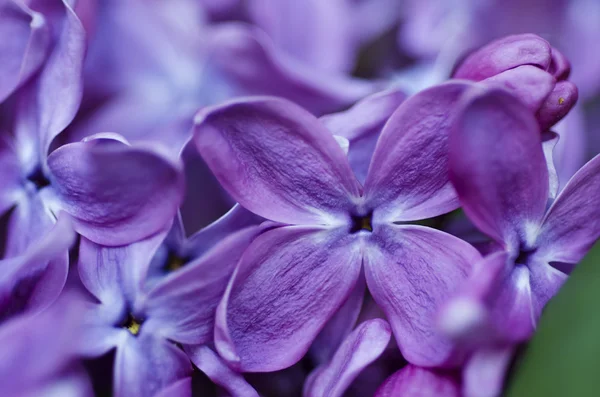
362 125
340 325
180 388
289 282
411 271
484 373
118 194
572 224
408 175
10 174
182 307
549 141
363 346
498 168
29 221
503 54
144 365
572 148
249 59
276 160
412 381
24 45
215 368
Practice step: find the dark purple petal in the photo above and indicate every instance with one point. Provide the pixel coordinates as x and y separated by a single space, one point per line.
248 58
411 271
217 370
24 45
415 381
560 67
408 175
484 373
277 160
362 125
503 54
118 194
363 346
182 307
572 224
144 365
558 104
289 282
498 168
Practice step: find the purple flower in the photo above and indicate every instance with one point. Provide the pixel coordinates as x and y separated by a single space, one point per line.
144 315
498 169
279 162
416 381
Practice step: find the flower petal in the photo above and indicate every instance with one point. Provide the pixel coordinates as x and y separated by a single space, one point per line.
572 224
10 174
289 282
24 47
363 346
415 381
117 194
411 271
276 160
144 365
560 101
549 141
408 177
213 366
362 125
180 388
182 306
484 373
503 54
498 168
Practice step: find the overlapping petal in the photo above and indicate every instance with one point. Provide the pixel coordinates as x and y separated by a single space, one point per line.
422 382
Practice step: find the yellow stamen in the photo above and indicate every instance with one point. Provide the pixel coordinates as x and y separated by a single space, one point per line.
365 223
561 101
174 262
132 325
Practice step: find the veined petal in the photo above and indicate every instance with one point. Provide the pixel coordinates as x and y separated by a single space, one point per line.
362 125
288 283
408 174
182 307
411 271
498 168
277 160
416 381
363 346
572 224
118 194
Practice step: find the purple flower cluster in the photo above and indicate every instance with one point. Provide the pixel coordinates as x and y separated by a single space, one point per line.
279 198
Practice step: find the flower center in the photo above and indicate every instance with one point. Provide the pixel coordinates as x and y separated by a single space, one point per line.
38 178
132 324
524 256
361 222
174 262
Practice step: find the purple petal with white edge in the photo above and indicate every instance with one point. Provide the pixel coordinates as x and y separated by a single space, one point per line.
114 274
408 175
118 194
503 54
530 84
411 271
558 104
412 381
250 60
498 168
23 54
362 125
340 325
484 372
289 282
10 174
217 370
572 224
363 346
33 281
180 388
144 365
277 160
182 306
549 141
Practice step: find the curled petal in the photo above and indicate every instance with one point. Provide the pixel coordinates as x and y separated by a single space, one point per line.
289 282
363 346
117 194
558 104
276 160
498 168
415 381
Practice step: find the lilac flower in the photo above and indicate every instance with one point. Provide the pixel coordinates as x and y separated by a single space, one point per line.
416 381
498 169
279 162
144 317
105 185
